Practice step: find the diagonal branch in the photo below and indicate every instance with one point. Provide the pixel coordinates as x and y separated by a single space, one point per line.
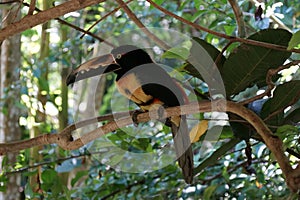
104 17
74 27
32 20
134 18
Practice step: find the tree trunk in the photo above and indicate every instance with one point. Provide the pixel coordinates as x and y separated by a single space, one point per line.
43 90
10 98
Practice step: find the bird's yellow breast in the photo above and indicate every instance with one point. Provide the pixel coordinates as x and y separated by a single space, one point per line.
130 86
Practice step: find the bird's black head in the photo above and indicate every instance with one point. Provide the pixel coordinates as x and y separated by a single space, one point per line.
120 60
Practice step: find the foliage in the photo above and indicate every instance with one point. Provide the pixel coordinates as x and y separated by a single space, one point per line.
239 166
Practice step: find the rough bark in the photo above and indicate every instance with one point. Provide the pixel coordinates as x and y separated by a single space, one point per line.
10 96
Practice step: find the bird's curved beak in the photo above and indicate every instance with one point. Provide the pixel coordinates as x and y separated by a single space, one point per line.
94 67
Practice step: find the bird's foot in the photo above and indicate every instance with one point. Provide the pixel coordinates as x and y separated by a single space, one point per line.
134 116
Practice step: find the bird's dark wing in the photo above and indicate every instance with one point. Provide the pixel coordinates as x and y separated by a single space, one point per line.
158 84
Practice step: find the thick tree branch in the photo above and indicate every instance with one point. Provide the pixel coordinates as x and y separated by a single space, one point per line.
32 20
65 140
9 2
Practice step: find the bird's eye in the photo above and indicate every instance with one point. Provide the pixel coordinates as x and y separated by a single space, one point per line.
119 56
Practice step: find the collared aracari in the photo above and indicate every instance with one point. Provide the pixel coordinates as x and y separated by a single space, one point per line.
149 86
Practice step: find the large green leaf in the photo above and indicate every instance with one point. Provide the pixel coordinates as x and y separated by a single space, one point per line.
200 59
217 154
293 117
295 41
248 64
211 50
283 96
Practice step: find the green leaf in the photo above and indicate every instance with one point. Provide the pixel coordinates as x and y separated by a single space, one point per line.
209 191
44 84
283 96
286 128
293 117
211 50
248 64
141 143
49 176
28 191
217 154
197 4
158 2
197 15
240 130
295 41
29 33
177 52
115 159
226 132
229 29
198 56
79 175
260 177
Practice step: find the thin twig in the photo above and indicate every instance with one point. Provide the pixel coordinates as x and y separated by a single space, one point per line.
293 101
232 169
239 18
270 84
222 35
74 27
292 152
31 7
59 160
218 59
134 18
104 17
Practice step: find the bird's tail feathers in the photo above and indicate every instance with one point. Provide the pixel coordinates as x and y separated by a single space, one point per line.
183 148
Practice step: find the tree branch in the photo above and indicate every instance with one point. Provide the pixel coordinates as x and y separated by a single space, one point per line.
74 27
239 18
222 35
104 17
31 7
134 18
9 2
270 84
32 20
65 140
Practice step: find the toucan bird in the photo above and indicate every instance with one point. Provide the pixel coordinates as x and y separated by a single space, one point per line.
149 86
